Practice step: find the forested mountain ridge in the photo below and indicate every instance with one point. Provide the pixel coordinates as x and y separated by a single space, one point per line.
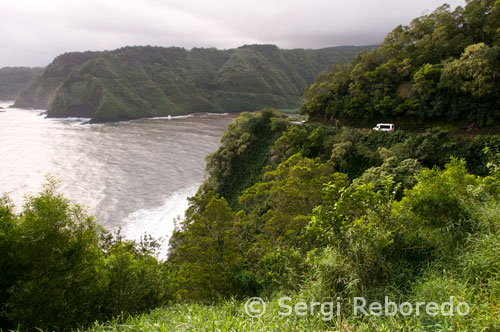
443 66
136 82
15 79
39 92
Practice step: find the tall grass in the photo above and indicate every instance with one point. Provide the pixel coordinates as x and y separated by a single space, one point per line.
231 316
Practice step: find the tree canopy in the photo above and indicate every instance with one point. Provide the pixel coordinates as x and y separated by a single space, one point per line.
443 66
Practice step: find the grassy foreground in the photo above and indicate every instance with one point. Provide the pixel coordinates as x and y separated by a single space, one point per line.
231 316
228 316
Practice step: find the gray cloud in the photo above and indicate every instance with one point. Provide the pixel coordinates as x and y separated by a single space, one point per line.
33 32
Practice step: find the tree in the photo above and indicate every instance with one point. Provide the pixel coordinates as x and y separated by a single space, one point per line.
57 260
208 252
61 270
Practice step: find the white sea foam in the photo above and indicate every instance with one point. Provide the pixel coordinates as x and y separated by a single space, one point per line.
6 103
71 119
169 117
211 113
158 221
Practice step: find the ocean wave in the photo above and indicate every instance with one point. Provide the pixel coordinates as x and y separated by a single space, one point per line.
70 119
159 221
170 117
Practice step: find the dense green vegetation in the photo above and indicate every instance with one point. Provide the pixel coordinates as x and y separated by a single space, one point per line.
311 211
39 93
15 79
60 269
443 66
332 212
135 82
307 211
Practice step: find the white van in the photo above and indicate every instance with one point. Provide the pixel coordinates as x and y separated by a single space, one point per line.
384 127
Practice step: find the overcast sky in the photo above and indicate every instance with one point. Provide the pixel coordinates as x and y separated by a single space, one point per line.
33 32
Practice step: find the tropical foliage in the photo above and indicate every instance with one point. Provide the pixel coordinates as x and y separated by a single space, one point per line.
443 66
323 212
310 211
60 269
384 214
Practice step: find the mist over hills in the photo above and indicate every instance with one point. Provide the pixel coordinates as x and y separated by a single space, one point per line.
15 79
145 81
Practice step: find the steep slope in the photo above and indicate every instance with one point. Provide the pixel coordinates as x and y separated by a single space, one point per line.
15 79
42 89
136 82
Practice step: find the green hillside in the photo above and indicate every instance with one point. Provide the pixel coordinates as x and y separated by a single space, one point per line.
39 92
136 82
444 66
15 79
